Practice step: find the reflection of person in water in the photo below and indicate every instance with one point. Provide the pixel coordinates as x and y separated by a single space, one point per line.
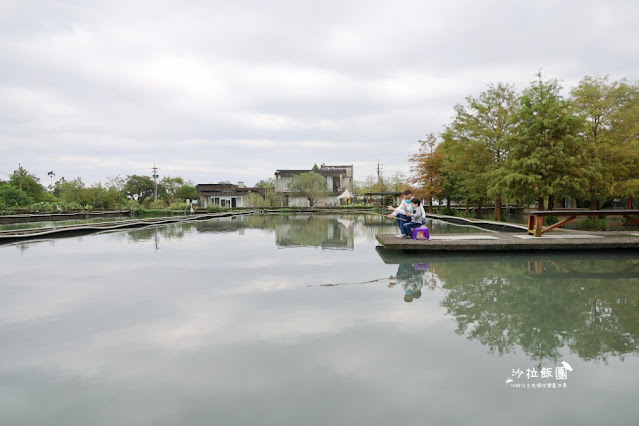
411 280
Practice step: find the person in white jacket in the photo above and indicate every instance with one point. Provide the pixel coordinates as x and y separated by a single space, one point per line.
417 218
402 212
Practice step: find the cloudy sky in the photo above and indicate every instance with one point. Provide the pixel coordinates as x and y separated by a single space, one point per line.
217 90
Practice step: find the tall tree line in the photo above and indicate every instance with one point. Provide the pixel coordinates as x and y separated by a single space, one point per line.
24 190
536 146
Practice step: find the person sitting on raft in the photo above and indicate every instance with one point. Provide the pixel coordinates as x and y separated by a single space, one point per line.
402 212
417 218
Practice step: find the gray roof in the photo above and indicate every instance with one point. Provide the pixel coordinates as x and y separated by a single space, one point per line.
323 172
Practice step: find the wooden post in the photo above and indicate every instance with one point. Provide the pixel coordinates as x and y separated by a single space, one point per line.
539 221
531 224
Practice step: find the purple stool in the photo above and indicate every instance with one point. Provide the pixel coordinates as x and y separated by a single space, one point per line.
421 266
421 230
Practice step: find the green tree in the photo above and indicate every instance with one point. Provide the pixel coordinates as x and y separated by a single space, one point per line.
478 142
310 185
270 197
175 189
72 191
452 177
266 183
610 111
138 187
315 168
186 191
548 159
29 183
12 196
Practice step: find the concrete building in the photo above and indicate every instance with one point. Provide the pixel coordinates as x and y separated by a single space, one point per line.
226 195
338 179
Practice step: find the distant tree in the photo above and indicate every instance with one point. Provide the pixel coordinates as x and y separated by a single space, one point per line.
266 183
224 182
51 174
138 187
365 185
168 186
270 197
72 191
186 191
310 185
427 171
101 197
397 182
29 183
12 196
56 186
116 183
315 168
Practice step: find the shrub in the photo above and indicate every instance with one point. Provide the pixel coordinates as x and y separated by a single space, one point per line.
180 206
450 211
551 220
12 196
157 204
594 224
216 209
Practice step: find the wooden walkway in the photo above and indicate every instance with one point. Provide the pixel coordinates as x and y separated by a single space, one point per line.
17 235
575 240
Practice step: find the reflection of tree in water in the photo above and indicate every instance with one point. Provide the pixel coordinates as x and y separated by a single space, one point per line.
317 230
168 232
236 223
543 306
326 231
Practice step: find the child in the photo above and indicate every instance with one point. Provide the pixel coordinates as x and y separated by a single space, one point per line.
417 217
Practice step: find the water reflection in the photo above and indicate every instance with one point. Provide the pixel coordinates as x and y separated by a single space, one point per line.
328 231
224 328
410 277
538 305
315 231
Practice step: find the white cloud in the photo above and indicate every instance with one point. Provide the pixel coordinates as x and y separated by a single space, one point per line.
188 85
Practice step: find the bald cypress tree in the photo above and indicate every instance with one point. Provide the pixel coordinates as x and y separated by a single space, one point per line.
548 157
478 142
611 129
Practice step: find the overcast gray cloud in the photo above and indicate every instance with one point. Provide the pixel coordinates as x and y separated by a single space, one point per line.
217 90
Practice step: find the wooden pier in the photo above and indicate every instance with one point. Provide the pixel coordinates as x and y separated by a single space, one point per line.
498 241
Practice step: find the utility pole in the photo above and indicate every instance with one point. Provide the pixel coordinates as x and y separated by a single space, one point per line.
379 172
155 182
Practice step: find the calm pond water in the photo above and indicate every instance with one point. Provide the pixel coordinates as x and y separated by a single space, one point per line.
301 320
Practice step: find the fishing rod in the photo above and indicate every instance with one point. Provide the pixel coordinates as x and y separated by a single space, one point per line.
386 216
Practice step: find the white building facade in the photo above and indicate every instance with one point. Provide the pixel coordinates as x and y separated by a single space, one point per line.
338 179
